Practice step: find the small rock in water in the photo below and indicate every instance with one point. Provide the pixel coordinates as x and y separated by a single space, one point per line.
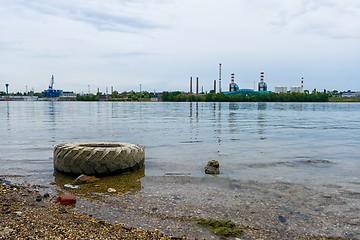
212 167
282 218
39 198
111 190
83 179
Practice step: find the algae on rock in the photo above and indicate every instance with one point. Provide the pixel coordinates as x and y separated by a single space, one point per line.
225 228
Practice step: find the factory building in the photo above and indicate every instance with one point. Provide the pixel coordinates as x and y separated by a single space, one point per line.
297 89
51 92
233 87
262 86
280 89
283 89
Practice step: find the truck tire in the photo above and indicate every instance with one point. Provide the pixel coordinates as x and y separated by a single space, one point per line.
98 158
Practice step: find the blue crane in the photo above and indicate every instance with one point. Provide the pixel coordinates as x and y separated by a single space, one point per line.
51 92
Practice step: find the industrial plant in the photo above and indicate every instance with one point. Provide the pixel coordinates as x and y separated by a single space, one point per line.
233 92
262 86
234 87
51 92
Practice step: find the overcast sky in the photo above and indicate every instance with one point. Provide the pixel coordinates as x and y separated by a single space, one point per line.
160 44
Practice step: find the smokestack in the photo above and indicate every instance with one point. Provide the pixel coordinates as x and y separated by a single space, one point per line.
219 77
262 77
197 85
190 85
7 88
112 89
214 86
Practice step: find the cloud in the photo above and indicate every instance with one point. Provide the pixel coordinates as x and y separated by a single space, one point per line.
117 54
8 45
102 17
326 18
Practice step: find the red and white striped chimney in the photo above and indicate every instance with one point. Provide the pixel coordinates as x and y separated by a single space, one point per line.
262 76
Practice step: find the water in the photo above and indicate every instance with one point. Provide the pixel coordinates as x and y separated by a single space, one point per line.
252 141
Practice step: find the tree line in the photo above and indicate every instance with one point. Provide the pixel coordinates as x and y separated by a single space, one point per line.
255 97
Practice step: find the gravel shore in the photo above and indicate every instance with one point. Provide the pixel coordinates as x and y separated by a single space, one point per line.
165 208
22 217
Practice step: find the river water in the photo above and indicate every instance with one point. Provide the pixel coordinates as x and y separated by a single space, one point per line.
295 142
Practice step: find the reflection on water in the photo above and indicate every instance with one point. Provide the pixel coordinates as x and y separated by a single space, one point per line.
8 115
261 120
194 123
122 183
218 124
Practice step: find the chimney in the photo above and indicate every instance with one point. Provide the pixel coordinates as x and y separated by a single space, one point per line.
190 85
219 77
197 85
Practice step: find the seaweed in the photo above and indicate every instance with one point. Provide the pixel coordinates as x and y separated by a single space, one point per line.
225 228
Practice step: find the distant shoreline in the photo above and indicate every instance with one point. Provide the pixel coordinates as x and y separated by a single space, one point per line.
344 99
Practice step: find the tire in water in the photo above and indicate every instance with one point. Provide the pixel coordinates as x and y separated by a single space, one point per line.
98 158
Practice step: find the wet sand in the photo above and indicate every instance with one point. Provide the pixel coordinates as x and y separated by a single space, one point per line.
168 204
277 210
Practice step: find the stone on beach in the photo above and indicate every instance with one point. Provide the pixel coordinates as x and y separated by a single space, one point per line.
212 167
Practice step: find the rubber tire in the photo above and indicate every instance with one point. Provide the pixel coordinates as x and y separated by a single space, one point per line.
98 158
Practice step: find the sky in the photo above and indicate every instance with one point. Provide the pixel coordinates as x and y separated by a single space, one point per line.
160 44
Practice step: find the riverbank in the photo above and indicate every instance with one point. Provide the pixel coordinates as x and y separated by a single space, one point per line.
23 217
169 204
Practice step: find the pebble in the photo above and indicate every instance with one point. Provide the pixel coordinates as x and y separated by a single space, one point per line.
282 218
39 198
18 213
62 210
111 190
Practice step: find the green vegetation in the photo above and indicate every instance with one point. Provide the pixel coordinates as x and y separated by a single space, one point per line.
344 99
116 96
221 228
30 93
256 97
87 97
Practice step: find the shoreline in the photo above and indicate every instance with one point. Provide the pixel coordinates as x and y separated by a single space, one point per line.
23 217
168 204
